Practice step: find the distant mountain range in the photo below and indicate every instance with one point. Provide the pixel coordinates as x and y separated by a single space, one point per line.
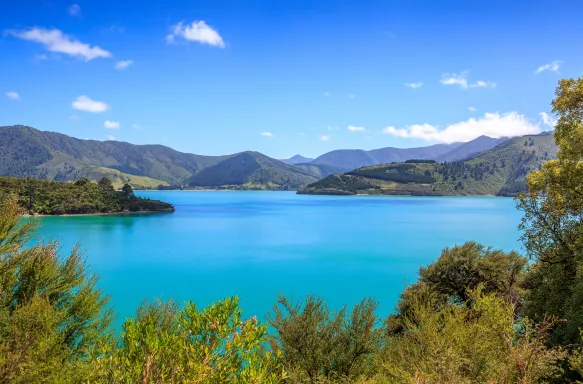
499 171
25 151
297 159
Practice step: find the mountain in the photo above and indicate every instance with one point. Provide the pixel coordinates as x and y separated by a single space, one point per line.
253 170
499 171
348 159
471 148
297 159
320 170
25 151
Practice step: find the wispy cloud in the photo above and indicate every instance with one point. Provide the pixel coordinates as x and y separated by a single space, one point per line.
197 31
548 119
414 85
326 94
267 134
136 126
461 79
84 103
473 109
123 64
56 41
74 117
74 10
325 138
351 95
492 124
553 67
353 128
111 124
13 95
110 137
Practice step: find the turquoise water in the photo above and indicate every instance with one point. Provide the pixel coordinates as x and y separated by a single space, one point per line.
256 244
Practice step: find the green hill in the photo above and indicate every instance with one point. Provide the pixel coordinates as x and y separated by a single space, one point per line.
252 170
28 152
499 171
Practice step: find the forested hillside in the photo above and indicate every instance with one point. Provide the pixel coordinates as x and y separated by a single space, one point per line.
81 197
500 171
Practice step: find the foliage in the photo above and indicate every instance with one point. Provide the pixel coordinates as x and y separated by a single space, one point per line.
80 197
460 343
553 221
460 270
164 344
51 313
317 344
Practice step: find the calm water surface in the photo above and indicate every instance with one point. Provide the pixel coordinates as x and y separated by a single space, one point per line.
256 244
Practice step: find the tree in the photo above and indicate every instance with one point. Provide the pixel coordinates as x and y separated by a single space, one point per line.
316 344
127 191
51 313
105 184
460 270
553 221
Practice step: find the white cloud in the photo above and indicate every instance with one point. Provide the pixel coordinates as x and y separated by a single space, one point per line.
123 64
473 109
197 31
74 10
136 126
332 128
268 134
110 137
325 138
111 124
554 67
455 79
326 94
56 41
13 95
461 79
353 128
352 96
483 84
84 103
548 119
492 124
414 85
74 117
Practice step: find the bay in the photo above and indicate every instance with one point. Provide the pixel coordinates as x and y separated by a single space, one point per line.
258 244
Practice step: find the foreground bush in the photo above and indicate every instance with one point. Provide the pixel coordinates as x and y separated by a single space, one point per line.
165 344
51 313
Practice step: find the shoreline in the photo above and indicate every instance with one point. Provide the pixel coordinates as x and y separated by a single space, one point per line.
97 214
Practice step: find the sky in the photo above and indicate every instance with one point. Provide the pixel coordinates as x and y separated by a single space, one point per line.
286 77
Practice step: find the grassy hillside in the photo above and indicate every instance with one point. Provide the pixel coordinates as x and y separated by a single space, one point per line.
498 171
25 151
254 171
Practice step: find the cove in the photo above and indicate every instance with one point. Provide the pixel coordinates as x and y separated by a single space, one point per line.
258 244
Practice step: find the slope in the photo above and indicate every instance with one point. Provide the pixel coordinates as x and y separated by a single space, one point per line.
499 171
252 170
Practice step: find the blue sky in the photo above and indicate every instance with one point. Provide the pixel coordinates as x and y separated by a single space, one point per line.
286 77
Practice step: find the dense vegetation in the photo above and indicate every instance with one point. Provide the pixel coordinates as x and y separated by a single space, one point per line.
81 197
499 171
476 315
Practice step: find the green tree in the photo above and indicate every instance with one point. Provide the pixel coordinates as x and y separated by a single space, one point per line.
51 313
458 271
317 344
460 343
553 221
105 184
127 191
